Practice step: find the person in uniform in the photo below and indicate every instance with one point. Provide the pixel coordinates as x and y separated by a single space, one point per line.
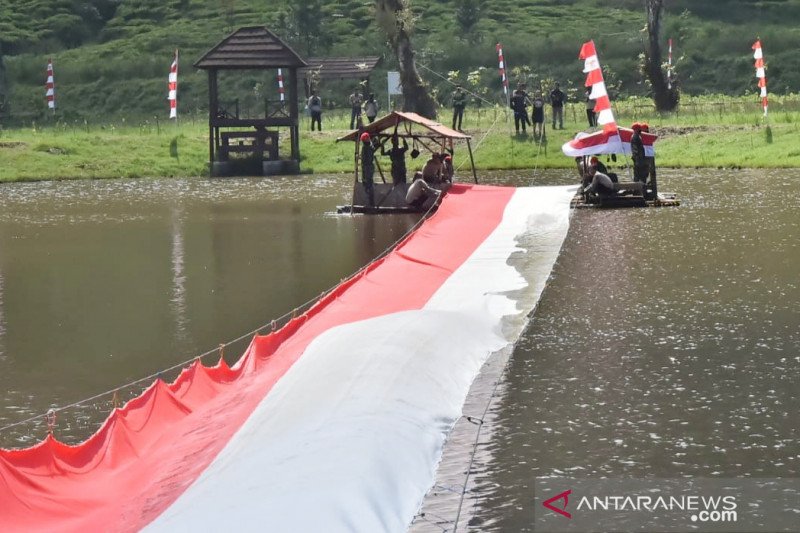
459 103
368 167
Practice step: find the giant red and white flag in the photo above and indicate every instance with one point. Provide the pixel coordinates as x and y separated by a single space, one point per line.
172 96
761 74
345 410
594 79
50 86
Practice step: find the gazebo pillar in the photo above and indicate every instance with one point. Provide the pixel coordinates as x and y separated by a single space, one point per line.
294 115
213 112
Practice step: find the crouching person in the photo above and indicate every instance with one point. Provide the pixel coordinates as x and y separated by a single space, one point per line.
601 184
419 192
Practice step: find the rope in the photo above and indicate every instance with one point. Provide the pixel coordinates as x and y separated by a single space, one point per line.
480 421
480 141
220 348
475 445
479 97
454 83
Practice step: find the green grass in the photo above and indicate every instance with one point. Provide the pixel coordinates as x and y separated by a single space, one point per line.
707 132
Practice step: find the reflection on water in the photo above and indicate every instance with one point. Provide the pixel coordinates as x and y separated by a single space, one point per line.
178 299
105 282
666 345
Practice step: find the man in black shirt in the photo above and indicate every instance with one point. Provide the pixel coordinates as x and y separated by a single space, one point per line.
398 157
519 103
459 103
557 99
368 167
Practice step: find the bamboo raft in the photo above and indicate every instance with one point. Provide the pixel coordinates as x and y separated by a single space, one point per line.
662 200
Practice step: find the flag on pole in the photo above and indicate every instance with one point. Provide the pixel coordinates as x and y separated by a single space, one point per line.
502 69
594 79
280 85
172 96
669 66
761 74
50 86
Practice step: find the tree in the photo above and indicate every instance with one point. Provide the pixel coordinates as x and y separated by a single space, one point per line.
394 17
306 23
468 14
3 87
665 97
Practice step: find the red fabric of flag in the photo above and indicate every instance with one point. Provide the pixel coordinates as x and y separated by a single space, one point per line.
587 50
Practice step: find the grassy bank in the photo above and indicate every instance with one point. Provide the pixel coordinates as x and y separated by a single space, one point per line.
706 133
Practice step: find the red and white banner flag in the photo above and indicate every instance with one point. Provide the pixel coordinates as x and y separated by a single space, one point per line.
669 66
603 142
502 68
761 74
172 96
594 79
280 85
50 86
347 406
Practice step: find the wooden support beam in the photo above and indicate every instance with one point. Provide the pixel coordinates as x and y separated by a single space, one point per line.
213 103
472 162
294 115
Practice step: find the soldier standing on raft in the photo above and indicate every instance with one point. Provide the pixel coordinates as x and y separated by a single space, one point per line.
398 157
368 167
640 165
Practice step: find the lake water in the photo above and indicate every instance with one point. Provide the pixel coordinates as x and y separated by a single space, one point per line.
106 282
666 344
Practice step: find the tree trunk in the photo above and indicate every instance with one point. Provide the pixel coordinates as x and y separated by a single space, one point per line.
665 98
394 17
3 89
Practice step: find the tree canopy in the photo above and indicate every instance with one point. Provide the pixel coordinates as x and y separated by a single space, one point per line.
123 46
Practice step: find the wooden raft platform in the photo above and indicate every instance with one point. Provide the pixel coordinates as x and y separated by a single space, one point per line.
663 200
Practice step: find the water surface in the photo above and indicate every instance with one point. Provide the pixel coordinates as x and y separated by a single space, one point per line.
667 344
105 282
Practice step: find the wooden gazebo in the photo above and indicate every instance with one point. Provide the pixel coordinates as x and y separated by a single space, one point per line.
252 48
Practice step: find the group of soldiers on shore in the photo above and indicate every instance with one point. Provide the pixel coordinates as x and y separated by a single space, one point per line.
519 102
358 103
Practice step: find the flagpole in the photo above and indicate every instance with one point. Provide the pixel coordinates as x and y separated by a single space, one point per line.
176 88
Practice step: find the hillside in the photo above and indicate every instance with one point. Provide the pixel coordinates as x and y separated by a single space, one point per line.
112 56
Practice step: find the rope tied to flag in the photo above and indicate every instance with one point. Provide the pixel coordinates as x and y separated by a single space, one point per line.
172 96
758 55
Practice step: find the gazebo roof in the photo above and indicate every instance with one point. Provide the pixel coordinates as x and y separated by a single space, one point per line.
252 47
341 67
396 118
